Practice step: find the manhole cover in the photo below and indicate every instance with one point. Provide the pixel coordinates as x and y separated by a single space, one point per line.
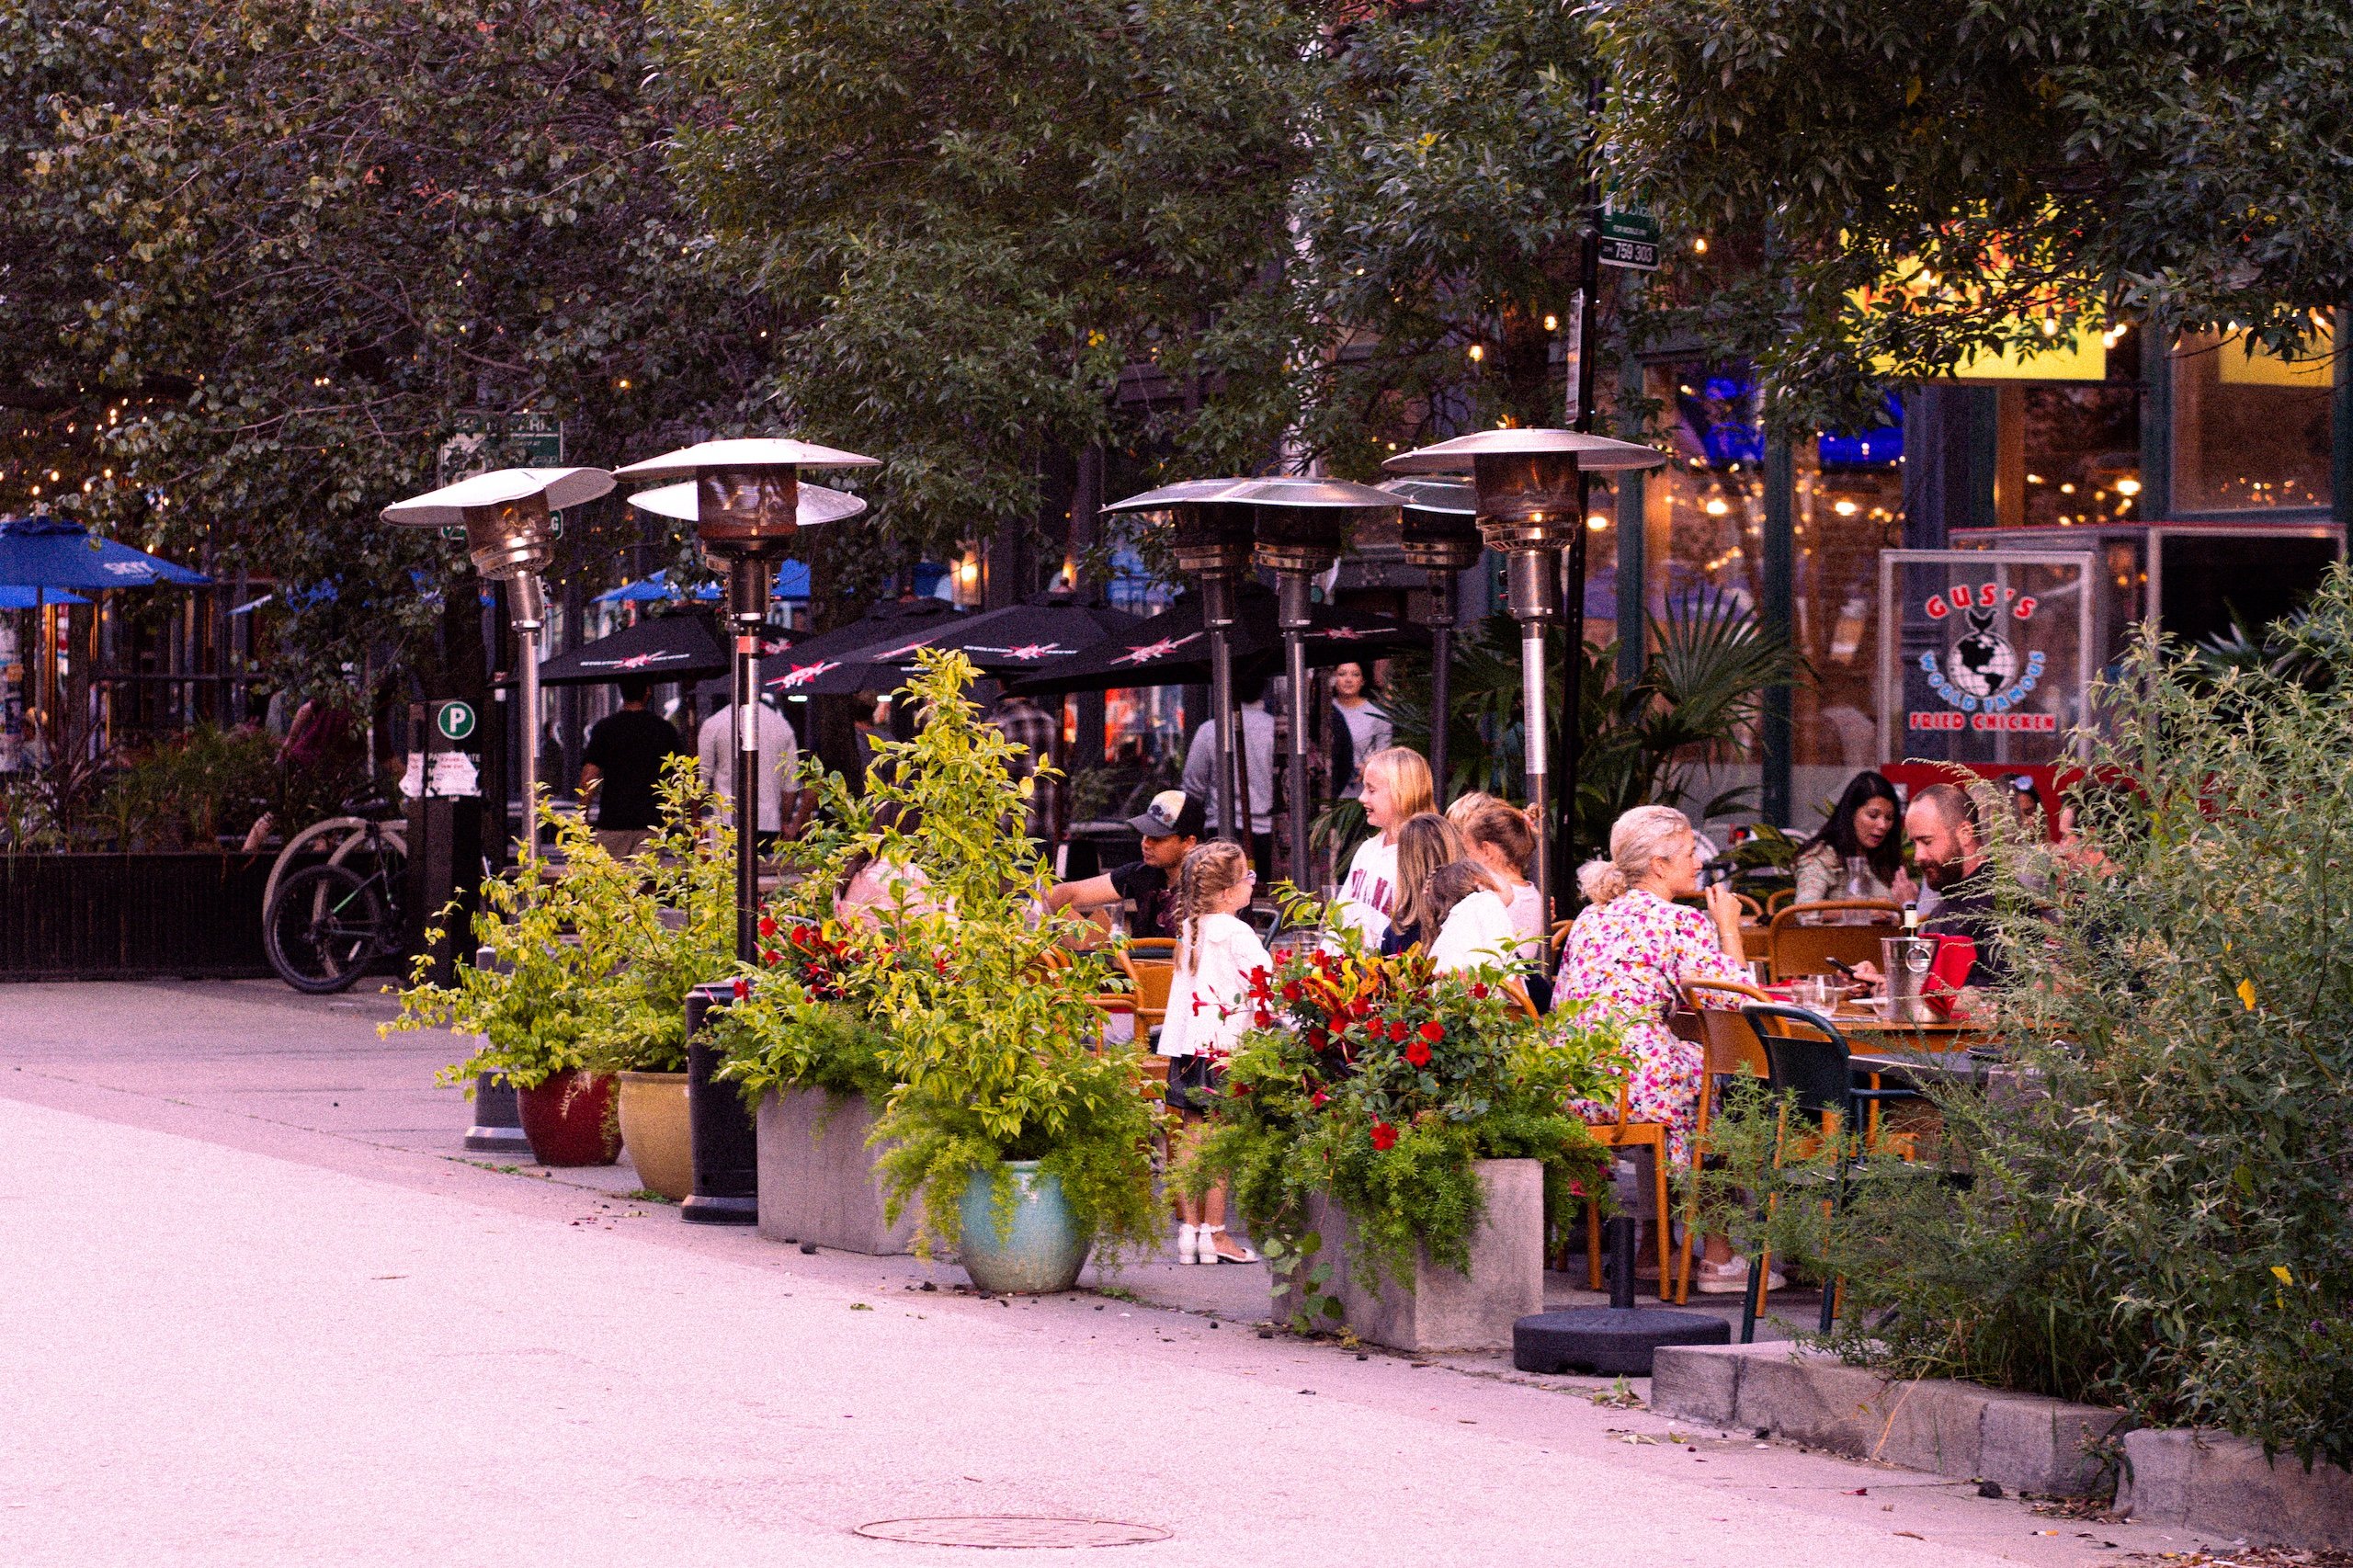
1012 1530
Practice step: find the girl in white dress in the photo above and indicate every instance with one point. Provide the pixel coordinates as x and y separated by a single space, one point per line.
1210 1009
1396 791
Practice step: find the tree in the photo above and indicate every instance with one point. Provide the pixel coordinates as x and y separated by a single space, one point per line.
1444 216
288 241
1000 230
1915 183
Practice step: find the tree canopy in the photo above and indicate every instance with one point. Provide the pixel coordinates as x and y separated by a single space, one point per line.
1925 181
1000 228
275 247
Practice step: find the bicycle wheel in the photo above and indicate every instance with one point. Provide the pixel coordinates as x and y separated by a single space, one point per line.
324 927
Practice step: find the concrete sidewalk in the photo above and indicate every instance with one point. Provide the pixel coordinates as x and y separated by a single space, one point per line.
259 1309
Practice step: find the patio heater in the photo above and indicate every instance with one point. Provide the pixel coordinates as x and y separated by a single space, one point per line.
508 519
1210 537
748 508
1439 531
1531 508
1303 527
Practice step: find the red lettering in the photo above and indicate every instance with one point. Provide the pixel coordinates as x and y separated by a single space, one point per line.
1946 720
2024 608
2015 723
1935 608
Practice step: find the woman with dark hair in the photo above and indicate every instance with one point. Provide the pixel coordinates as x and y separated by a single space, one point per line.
1859 851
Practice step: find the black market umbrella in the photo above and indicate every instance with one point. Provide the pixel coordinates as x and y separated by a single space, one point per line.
814 659
1042 635
1173 649
666 648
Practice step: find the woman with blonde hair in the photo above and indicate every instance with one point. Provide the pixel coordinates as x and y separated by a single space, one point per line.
1396 789
1209 1012
1629 955
1424 844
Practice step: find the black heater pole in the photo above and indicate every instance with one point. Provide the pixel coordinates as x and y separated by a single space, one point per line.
747 603
1572 608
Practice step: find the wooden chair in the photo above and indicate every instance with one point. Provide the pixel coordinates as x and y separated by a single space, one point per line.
1151 978
1800 948
1749 908
1778 900
1728 1047
1625 1134
1160 949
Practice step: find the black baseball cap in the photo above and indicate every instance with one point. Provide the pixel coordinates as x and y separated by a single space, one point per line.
1172 814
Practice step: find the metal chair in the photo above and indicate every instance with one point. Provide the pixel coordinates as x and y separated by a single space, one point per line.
1799 948
1813 1068
1729 1048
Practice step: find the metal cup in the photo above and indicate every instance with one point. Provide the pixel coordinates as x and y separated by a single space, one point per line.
1904 962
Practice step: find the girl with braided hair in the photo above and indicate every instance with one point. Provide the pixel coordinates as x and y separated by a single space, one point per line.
1219 957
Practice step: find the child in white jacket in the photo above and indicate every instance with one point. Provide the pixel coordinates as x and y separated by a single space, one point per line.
1210 1009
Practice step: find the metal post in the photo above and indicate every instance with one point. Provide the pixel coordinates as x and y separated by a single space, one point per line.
1534 585
1588 361
1445 608
1217 614
1293 617
747 601
527 601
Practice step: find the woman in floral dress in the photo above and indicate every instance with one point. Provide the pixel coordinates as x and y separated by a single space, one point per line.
1627 956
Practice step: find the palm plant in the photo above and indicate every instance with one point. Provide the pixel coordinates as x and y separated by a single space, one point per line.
1701 687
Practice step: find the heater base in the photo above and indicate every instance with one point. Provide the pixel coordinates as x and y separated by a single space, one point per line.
1612 1341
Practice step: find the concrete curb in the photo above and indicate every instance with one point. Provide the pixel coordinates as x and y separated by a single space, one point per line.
2024 1441
818 1186
2213 1483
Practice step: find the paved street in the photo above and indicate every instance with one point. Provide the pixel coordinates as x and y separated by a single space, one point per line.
259 1308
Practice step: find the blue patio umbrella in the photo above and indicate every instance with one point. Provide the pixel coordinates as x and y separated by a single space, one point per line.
14 597
52 553
791 583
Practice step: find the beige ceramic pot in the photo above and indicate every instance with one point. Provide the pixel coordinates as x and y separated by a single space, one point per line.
654 1131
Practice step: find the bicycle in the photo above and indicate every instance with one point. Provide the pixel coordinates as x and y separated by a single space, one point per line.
363 825
324 925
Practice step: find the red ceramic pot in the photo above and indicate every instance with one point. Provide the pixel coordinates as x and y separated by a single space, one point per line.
570 1120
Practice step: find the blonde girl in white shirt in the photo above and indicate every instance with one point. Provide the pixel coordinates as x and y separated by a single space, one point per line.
1396 789
1208 1011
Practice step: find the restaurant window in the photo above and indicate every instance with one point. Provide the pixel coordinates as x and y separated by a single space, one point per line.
1703 519
1848 506
2068 454
2251 432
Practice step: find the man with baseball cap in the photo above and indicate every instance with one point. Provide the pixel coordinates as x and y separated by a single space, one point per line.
1171 825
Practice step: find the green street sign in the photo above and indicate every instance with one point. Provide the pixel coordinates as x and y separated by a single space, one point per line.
454 719
537 438
1630 240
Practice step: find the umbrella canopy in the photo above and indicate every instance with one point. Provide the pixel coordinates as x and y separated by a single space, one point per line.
791 583
51 552
1173 649
14 597
814 658
666 648
1003 642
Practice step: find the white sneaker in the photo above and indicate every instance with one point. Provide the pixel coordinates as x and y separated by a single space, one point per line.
1188 1241
1730 1277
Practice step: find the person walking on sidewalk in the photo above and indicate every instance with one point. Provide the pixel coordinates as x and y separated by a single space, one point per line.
621 765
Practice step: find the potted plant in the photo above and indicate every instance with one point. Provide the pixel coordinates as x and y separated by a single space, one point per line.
652 925
1393 1137
1017 1137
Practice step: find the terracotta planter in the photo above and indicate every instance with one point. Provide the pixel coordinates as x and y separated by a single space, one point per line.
569 1120
655 1131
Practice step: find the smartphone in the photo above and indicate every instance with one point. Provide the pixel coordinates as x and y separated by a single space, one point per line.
1842 967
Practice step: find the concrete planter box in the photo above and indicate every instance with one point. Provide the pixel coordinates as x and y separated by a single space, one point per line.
817 1179
2217 1484
2025 1441
1439 1309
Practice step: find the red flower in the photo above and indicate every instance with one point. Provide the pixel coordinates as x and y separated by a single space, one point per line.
1396 1030
1318 1097
1237 1088
1384 1137
1478 991
743 989
1434 1031
1317 1040
769 957
1261 1018
768 925
1418 1055
1292 991
940 964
